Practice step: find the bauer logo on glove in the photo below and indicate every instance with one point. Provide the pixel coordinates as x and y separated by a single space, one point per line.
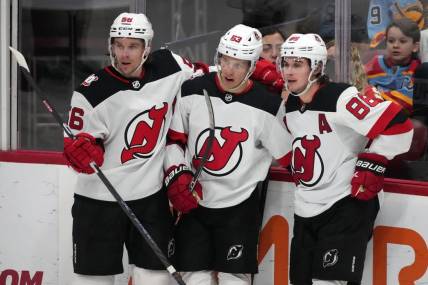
177 182
371 166
368 177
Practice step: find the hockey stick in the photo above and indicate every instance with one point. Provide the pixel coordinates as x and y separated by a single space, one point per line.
206 154
207 151
26 71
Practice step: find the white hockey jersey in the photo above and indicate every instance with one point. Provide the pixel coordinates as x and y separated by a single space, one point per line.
330 132
248 132
131 117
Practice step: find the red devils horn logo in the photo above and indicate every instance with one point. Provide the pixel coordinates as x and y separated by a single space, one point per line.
306 163
142 133
226 150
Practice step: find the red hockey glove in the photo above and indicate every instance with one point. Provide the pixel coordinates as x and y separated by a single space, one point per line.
82 150
177 182
266 73
368 176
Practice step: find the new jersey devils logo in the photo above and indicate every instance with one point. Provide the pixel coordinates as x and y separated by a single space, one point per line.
142 133
226 150
306 163
330 258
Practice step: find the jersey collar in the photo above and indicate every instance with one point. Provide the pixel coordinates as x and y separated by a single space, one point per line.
116 74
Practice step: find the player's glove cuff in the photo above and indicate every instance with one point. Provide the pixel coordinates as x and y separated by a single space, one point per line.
174 172
177 183
372 162
368 177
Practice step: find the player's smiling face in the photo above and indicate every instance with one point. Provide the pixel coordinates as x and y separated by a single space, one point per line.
128 55
233 71
296 72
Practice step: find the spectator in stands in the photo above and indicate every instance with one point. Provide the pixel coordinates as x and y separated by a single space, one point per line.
272 39
393 73
265 71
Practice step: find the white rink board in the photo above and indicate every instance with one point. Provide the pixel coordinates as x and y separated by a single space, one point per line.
35 222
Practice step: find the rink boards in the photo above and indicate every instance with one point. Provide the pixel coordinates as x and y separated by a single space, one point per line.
35 241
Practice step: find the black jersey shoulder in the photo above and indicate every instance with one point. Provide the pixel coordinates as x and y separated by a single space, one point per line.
325 99
102 84
108 81
258 97
261 98
160 64
197 84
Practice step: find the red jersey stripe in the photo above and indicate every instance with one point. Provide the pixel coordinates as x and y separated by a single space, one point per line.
383 121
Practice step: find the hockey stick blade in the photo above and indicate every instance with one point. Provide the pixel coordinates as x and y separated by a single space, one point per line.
208 149
157 251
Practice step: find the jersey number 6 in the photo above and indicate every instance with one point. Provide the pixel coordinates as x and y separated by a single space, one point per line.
76 121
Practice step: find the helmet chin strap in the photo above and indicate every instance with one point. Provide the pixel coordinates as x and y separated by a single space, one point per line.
308 86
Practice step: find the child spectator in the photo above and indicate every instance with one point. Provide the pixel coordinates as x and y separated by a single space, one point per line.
392 73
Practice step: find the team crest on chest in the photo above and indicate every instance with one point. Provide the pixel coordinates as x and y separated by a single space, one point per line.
226 150
143 133
306 163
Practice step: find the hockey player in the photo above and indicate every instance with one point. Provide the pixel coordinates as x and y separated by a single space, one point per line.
338 179
221 234
121 115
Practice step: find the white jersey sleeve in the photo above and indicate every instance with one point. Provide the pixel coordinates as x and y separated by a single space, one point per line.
275 137
381 121
177 136
83 118
187 66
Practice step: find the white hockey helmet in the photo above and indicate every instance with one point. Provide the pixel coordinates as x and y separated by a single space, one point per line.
242 42
310 46
131 25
